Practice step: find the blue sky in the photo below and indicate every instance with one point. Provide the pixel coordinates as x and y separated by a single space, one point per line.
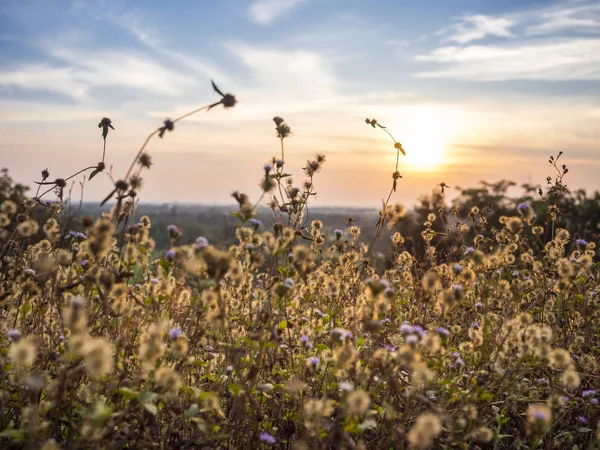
485 89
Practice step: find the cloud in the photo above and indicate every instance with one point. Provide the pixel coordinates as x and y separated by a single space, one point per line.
263 12
479 26
556 43
296 73
572 59
581 18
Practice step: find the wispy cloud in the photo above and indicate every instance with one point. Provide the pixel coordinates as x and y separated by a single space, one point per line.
479 26
556 43
572 59
263 12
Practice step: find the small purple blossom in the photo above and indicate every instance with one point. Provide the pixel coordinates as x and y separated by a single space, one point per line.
255 223
515 273
267 438
457 268
443 331
154 280
406 328
76 234
522 206
476 325
338 233
170 253
29 272
582 419
304 339
346 386
588 393
13 334
539 415
268 168
594 401
478 305
201 242
390 348
83 262
314 361
172 229
468 250
581 242
412 339
174 333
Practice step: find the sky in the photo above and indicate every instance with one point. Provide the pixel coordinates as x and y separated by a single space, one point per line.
474 90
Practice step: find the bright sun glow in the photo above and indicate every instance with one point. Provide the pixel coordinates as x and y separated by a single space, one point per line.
424 133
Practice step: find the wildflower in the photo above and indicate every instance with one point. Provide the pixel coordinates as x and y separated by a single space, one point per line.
426 428
174 333
201 243
255 223
581 242
167 379
582 419
23 352
267 438
168 126
539 417
588 393
482 434
97 357
443 331
29 271
13 334
283 129
527 211
468 251
170 254
227 100
314 361
570 379
338 234
105 124
346 386
358 402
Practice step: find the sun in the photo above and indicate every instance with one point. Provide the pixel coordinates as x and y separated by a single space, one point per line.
424 133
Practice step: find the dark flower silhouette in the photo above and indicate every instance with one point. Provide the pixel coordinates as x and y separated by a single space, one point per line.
105 124
227 100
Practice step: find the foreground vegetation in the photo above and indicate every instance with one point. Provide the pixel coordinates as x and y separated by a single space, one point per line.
483 331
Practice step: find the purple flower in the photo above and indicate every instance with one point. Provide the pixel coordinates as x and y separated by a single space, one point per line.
83 262
412 339
515 273
457 268
154 280
346 386
314 360
304 339
174 333
581 242
543 380
255 223
469 250
29 272
229 369
338 233
582 419
201 242
76 234
267 438
522 206
406 328
172 228
588 393
478 305
13 334
594 401
539 415
170 253
390 348
442 330
268 168
476 325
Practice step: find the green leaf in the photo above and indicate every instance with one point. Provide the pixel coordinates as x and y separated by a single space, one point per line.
152 409
127 393
235 389
191 412
146 396
94 173
18 435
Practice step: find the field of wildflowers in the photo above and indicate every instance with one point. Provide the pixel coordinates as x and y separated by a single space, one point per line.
293 338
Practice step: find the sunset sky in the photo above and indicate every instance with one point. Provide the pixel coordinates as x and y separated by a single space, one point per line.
474 89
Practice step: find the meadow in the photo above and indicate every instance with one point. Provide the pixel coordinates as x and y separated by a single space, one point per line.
479 330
